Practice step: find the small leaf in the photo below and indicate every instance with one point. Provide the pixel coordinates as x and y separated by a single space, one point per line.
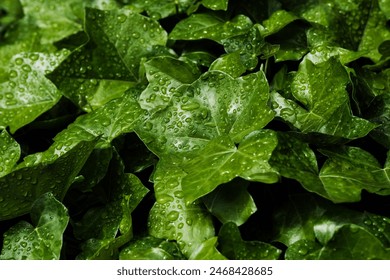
151 248
9 153
234 248
28 93
171 217
326 104
221 161
106 228
42 242
349 170
207 26
231 202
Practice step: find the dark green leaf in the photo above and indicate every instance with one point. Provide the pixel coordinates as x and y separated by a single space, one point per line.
9 153
51 171
28 94
150 248
23 241
109 63
207 26
233 247
221 161
231 202
171 217
321 89
105 229
349 170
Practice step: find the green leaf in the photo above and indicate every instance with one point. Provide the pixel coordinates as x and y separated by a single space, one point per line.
250 45
104 229
43 239
165 75
277 21
216 4
215 104
320 88
231 202
55 20
9 153
376 31
307 224
294 159
51 171
350 242
221 161
117 117
378 108
230 64
28 94
207 251
159 9
207 26
150 248
349 170
234 248
108 64
171 217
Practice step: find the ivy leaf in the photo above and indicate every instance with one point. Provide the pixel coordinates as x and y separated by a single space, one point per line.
119 36
349 170
50 171
207 26
233 247
171 217
43 239
9 153
320 88
221 161
294 159
28 93
165 75
215 104
151 248
105 229
231 202
311 227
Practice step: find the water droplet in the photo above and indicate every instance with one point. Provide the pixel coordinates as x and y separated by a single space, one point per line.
122 18
172 216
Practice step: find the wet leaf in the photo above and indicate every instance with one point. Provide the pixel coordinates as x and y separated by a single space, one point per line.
171 217
235 248
150 248
43 239
221 161
28 93
106 228
9 153
349 170
231 202
122 39
321 89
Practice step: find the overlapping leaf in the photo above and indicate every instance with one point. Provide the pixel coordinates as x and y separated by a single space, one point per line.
349 170
221 161
215 104
28 93
105 229
108 64
42 240
321 89
233 247
171 217
315 229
